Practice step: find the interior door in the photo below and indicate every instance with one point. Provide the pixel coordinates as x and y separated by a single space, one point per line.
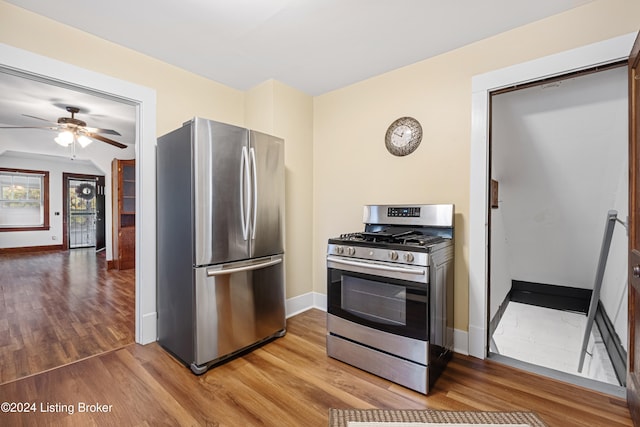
633 362
100 214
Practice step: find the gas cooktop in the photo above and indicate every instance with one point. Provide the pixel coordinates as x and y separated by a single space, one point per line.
405 240
397 233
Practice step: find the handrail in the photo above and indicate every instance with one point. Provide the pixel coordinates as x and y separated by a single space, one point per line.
612 217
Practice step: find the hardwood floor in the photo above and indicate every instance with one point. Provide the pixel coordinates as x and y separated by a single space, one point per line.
287 382
59 307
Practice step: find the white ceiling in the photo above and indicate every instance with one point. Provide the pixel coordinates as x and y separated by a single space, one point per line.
315 46
23 96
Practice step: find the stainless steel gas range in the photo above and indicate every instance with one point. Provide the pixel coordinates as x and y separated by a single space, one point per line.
390 294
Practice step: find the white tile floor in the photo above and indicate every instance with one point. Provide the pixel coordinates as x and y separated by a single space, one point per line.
552 339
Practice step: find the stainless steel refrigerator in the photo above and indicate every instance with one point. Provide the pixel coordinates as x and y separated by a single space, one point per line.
220 219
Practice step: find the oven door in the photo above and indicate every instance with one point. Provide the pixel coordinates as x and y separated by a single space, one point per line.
384 296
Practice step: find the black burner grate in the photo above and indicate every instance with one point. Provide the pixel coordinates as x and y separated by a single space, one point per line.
409 238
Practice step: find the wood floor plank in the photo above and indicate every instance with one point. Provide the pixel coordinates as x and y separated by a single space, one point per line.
58 307
560 397
287 382
83 319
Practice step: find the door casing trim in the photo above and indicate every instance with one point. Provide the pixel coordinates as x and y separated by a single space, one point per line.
604 52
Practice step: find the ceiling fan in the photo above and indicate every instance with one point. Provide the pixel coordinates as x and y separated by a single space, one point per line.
72 129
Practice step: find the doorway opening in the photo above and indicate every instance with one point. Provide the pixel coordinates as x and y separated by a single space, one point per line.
16 60
557 165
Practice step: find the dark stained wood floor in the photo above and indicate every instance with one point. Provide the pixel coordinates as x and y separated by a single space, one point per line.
59 307
287 382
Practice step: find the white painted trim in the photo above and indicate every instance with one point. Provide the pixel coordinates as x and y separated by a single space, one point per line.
299 304
320 301
149 330
304 302
29 63
460 342
600 53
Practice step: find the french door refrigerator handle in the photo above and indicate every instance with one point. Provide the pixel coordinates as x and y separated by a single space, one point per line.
244 179
220 271
255 193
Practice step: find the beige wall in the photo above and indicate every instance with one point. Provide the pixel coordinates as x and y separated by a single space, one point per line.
271 107
352 166
335 155
280 110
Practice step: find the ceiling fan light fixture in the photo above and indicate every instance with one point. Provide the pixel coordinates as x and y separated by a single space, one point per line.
73 130
64 138
83 141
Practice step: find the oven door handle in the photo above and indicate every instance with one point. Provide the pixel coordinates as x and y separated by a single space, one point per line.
418 271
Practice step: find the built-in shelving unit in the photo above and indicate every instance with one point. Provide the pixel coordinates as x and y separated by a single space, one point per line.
123 177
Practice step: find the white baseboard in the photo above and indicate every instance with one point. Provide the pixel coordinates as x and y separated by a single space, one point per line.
477 342
149 330
293 306
461 341
304 302
320 301
297 305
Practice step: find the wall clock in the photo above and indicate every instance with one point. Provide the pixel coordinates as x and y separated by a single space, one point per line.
403 136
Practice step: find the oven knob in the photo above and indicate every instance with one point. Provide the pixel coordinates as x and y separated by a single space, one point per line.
351 251
393 255
408 257
339 250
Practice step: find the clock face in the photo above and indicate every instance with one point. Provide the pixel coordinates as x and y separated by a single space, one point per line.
403 136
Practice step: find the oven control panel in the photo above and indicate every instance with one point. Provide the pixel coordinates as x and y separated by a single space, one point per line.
403 212
440 216
379 254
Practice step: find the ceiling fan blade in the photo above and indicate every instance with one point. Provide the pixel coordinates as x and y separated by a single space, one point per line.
98 130
38 118
104 139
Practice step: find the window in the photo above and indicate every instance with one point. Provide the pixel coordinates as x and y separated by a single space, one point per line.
24 200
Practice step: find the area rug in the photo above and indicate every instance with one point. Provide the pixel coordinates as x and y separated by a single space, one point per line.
430 418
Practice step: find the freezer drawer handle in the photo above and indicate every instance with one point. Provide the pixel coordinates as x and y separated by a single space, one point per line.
418 271
222 271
